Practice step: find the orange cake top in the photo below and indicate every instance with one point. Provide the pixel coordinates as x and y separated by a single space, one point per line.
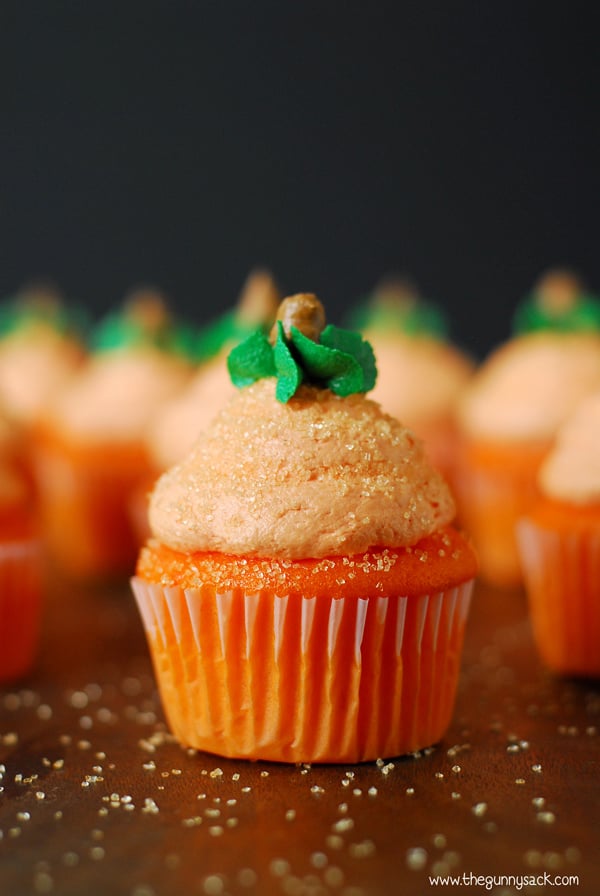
291 469
529 386
439 561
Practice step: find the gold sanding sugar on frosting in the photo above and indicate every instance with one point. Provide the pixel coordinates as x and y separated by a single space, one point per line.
318 476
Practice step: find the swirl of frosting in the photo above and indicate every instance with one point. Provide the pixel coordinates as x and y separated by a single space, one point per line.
318 476
301 349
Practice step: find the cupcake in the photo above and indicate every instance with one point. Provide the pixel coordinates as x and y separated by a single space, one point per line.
559 546
304 593
20 568
509 414
175 426
40 348
420 372
92 453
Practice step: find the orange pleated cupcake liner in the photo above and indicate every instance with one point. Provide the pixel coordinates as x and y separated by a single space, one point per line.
562 578
20 606
494 487
299 679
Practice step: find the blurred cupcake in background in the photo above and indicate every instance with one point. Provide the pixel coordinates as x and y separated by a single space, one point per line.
92 452
41 344
20 565
559 546
176 425
510 412
420 372
41 347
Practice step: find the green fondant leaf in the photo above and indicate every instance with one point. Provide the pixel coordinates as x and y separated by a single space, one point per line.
288 371
353 344
251 360
338 370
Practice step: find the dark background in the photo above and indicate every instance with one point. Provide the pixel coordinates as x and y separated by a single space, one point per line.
183 143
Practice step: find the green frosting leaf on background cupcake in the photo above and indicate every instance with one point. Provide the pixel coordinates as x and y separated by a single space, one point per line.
29 310
560 303
136 326
395 305
583 314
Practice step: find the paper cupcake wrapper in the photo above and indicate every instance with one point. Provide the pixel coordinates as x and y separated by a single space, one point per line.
20 606
299 679
562 578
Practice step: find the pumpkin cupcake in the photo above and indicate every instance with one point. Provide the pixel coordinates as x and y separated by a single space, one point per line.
92 452
510 412
559 545
41 345
304 594
20 567
41 348
420 372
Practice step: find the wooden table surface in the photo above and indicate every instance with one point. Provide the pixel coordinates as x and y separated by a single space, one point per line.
98 800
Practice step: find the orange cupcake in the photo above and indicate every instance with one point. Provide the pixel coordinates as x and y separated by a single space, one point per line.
305 594
41 348
20 572
510 412
559 544
420 372
91 450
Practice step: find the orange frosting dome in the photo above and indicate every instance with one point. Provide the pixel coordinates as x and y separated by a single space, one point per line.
318 476
34 366
418 377
571 472
176 426
530 385
117 392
